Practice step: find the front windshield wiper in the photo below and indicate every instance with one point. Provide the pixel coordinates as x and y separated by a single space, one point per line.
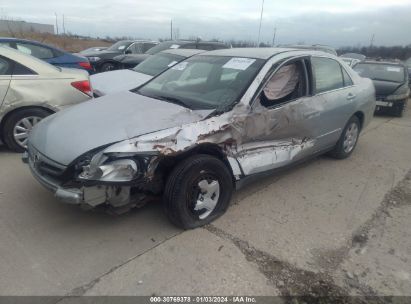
172 100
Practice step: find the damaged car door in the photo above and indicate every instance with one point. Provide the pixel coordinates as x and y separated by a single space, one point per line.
289 116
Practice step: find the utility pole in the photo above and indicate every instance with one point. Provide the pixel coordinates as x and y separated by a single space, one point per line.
171 30
261 20
57 24
372 40
275 33
64 26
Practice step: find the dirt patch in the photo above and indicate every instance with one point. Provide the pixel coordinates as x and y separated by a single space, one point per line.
289 280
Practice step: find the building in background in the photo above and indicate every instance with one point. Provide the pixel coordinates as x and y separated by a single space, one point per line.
7 26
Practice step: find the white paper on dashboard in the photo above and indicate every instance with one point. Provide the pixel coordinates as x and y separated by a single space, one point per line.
239 63
180 67
393 69
174 46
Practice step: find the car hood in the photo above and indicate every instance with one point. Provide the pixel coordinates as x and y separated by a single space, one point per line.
70 133
117 81
385 88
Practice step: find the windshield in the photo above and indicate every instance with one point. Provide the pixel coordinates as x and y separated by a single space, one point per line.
156 64
162 47
204 82
378 71
119 46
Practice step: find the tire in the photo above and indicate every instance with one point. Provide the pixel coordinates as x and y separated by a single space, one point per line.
108 66
398 109
191 184
341 151
15 120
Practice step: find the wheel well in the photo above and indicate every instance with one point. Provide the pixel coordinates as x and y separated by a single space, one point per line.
168 163
108 61
360 116
4 119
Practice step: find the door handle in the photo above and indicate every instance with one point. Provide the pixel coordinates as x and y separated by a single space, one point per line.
351 96
311 114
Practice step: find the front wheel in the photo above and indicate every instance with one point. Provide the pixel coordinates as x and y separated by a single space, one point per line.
19 125
197 191
398 108
348 140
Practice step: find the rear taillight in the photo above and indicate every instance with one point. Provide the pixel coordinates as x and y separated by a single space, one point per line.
83 86
85 65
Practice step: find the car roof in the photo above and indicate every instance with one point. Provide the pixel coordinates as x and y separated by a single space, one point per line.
183 52
258 53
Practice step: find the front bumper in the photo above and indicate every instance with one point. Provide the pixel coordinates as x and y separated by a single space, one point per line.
70 196
382 103
93 196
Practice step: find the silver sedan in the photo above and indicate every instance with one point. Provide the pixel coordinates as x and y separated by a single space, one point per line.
31 89
201 129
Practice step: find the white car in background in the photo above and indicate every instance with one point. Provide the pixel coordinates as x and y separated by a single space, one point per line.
124 80
31 89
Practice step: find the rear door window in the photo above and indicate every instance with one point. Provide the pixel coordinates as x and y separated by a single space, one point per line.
327 74
37 51
147 46
347 79
5 66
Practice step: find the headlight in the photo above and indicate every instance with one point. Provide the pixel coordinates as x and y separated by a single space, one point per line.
397 97
122 170
94 59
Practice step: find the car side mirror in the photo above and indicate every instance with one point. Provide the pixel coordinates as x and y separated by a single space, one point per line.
128 52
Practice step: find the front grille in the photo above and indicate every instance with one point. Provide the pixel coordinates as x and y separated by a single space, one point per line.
44 165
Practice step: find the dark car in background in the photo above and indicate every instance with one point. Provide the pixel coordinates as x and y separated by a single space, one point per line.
102 61
129 61
47 53
391 84
408 65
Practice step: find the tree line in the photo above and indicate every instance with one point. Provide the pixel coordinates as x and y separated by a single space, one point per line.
390 52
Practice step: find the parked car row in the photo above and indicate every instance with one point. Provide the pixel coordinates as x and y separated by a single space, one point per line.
189 126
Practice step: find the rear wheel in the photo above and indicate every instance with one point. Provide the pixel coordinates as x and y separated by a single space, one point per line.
108 66
197 191
19 125
348 140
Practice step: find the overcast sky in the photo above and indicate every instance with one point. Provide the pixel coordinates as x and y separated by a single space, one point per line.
333 22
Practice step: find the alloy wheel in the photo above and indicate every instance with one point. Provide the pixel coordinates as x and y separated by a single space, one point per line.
23 128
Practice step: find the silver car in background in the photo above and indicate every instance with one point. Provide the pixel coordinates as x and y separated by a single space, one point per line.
31 89
201 129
